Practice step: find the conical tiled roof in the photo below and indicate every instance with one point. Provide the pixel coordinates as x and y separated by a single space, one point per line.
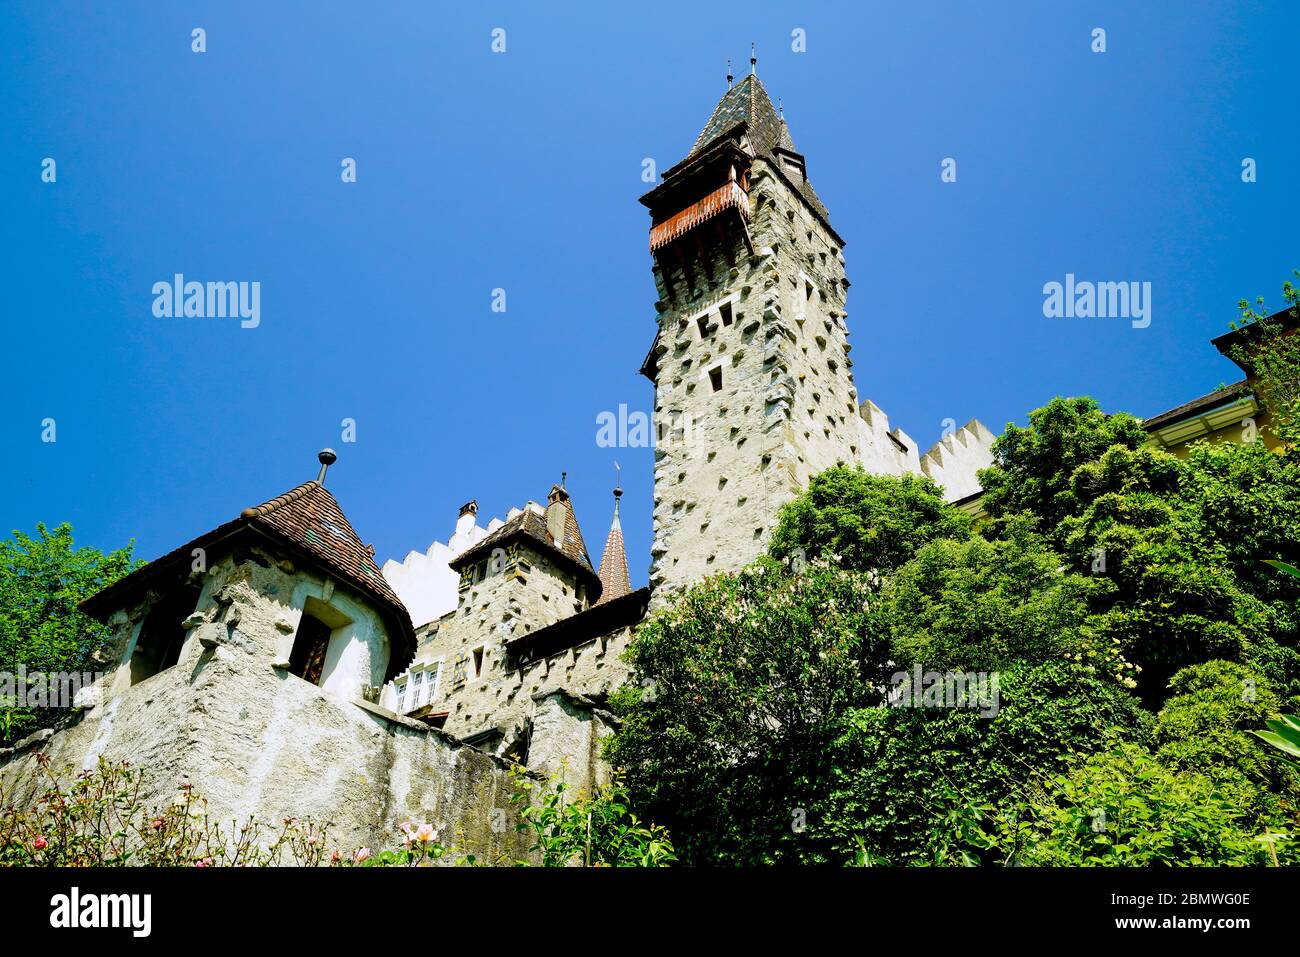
613 564
310 517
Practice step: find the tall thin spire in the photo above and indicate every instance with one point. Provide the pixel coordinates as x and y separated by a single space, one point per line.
753 60
730 78
614 579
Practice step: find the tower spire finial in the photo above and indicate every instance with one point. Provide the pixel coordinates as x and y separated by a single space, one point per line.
614 581
730 78
780 108
753 60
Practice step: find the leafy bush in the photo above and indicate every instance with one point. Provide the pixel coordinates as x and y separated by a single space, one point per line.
1125 808
99 820
1204 725
918 786
590 831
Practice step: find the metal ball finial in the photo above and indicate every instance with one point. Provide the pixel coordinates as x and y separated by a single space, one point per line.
326 457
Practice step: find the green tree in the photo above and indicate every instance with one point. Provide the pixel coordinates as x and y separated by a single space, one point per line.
739 683
1205 727
1032 466
1172 539
42 578
871 523
1246 502
977 605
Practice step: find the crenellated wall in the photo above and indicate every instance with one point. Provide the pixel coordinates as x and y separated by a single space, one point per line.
424 581
955 460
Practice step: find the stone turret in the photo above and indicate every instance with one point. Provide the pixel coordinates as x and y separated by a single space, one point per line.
245 662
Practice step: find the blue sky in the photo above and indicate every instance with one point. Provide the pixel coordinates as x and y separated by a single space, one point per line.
521 171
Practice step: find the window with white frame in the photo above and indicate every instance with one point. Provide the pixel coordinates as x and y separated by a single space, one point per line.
417 688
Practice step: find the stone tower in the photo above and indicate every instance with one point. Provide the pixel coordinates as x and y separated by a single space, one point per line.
753 389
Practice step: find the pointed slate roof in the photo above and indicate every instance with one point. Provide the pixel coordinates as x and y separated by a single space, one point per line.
613 564
308 521
529 524
747 102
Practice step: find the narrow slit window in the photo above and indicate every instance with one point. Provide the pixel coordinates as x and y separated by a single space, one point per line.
715 378
724 311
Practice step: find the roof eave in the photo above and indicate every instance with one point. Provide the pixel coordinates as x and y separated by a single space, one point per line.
675 175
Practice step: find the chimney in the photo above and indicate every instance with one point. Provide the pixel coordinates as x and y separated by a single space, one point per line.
465 518
557 514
